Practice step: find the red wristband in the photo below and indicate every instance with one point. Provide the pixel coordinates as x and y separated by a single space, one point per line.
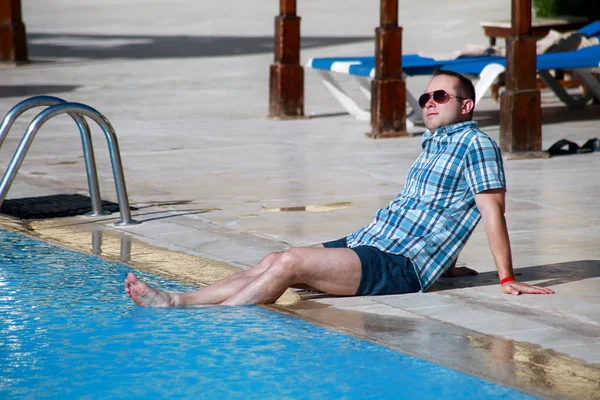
507 279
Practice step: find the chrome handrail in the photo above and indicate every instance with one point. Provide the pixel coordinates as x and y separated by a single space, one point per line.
113 148
86 141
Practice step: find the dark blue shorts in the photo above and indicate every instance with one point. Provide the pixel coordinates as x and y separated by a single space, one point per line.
382 273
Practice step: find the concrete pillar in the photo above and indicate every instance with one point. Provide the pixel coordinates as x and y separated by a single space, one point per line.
286 83
520 110
13 40
388 89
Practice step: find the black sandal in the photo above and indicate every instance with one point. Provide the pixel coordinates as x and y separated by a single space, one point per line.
557 149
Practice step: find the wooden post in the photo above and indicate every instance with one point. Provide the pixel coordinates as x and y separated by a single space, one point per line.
13 40
520 111
388 89
286 83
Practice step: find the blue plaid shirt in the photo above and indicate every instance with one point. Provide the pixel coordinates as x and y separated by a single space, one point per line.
432 218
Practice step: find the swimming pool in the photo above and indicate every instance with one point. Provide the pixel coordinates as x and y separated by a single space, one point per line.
69 331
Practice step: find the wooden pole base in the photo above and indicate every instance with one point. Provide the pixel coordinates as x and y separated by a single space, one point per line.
388 109
521 121
388 89
520 104
13 39
286 78
286 99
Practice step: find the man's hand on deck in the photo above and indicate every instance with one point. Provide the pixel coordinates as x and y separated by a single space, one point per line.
516 288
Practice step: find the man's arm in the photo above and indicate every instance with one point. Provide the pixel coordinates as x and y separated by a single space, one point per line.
491 206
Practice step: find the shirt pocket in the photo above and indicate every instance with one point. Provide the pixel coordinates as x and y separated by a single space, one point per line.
442 179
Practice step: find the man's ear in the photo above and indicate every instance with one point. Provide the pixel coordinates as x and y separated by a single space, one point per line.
467 106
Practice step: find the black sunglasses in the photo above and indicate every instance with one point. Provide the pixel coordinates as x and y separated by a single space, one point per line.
439 96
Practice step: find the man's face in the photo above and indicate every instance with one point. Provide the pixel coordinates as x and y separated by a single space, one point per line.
436 115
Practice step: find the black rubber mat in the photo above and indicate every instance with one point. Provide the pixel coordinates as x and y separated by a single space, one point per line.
54 206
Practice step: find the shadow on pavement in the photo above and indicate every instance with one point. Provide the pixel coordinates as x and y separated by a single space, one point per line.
55 45
34 90
551 274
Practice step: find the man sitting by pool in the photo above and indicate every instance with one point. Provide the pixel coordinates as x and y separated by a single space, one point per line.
457 179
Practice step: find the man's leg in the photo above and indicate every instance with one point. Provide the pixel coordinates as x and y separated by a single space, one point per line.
332 270
147 296
336 271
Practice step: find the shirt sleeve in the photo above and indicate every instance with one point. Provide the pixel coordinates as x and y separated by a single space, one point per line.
484 169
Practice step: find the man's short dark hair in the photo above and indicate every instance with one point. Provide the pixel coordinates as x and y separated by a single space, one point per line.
465 86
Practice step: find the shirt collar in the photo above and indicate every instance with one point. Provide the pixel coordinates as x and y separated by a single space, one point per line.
448 130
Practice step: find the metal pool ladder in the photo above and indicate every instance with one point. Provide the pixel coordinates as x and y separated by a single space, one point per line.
77 111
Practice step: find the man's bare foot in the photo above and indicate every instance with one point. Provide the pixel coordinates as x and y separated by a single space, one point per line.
457 272
144 295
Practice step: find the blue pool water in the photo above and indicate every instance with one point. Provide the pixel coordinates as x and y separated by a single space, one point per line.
67 330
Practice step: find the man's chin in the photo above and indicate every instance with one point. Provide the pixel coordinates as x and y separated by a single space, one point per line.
431 123
432 126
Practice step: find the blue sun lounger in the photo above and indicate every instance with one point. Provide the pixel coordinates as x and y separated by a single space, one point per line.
591 29
363 69
582 63
485 68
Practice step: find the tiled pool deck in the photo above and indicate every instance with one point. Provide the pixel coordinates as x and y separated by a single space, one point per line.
186 88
